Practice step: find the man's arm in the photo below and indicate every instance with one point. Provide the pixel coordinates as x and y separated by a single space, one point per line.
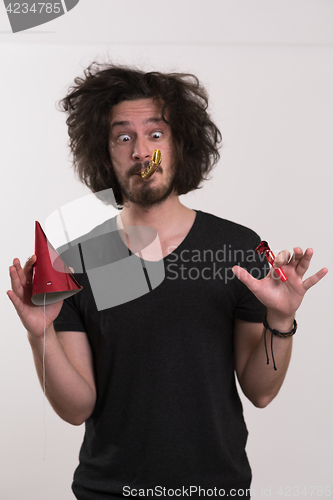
259 382
69 374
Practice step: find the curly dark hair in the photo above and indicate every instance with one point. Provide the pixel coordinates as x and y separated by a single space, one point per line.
88 104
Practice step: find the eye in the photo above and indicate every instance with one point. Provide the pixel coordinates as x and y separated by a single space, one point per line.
156 135
124 138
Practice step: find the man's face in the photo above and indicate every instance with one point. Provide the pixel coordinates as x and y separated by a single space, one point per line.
136 130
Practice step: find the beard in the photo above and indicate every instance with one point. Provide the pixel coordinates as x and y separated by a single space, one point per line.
144 193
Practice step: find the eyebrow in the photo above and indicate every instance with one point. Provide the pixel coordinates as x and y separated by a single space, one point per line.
126 123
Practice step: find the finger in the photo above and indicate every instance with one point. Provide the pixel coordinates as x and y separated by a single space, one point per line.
28 267
282 258
16 282
246 278
25 274
303 263
312 280
20 272
30 262
297 255
17 303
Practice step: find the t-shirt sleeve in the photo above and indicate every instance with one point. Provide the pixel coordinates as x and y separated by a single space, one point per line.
69 318
248 307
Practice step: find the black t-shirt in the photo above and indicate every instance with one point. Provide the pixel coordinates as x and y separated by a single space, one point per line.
168 413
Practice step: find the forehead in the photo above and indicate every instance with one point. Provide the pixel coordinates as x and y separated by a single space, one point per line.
139 109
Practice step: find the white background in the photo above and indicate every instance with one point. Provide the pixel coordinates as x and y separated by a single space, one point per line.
268 66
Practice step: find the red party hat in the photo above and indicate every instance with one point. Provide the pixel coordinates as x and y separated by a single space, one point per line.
57 285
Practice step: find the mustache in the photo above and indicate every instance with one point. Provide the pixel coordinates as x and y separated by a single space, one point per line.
138 167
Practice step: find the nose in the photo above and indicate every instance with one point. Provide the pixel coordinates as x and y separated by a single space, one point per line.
141 150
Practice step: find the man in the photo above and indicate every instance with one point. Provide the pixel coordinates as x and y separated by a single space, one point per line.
154 378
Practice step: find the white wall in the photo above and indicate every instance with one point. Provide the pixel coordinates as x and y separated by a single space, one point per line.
268 68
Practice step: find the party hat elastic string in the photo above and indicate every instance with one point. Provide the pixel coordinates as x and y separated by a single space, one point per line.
44 380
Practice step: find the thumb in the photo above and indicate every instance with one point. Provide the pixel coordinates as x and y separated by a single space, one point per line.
246 278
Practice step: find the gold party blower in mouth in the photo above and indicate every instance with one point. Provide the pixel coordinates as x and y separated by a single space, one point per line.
153 165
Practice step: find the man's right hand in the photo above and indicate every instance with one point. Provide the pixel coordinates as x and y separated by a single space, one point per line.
32 316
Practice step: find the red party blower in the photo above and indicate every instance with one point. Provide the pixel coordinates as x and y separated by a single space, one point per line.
264 248
57 285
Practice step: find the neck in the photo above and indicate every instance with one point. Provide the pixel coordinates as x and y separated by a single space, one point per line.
170 219
162 217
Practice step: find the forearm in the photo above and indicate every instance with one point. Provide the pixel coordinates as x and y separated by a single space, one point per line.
70 395
259 381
